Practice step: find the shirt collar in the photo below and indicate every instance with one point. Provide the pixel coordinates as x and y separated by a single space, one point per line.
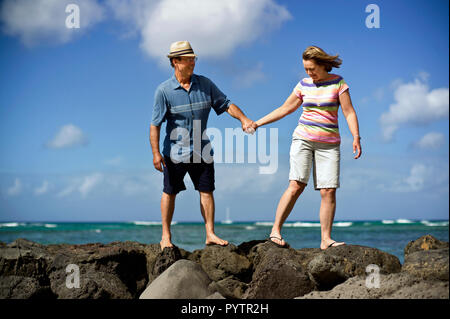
175 84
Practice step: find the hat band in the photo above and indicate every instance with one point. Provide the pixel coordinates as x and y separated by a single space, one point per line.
180 52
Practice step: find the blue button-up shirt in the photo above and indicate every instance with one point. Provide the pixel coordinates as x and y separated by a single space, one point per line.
186 113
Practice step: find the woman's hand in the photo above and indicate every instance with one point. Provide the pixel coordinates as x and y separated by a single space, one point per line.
357 146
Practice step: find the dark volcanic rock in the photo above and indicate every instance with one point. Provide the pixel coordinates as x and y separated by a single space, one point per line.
115 270
427 258
278 273
424 243
254 269
336 264
221 262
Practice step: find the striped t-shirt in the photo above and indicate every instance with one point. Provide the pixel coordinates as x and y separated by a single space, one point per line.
319 120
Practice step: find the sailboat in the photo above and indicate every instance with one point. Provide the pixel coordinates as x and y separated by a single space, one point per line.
227 220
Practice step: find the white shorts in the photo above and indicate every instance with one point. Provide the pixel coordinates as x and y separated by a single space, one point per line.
325 159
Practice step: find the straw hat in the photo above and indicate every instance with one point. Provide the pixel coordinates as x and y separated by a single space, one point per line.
181 48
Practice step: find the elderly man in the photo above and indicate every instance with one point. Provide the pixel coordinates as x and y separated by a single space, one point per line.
184 101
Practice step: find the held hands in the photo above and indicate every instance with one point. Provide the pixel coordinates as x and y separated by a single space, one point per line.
248 126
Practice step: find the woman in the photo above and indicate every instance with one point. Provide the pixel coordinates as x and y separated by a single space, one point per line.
316 140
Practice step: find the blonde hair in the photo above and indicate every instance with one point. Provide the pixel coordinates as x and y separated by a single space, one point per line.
320 57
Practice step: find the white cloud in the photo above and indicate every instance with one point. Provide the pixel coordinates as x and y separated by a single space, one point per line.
89 182
68 136
115 161
40 21
214 28
247 78
420 175
42 189
84 185
432 140
15 189
415 104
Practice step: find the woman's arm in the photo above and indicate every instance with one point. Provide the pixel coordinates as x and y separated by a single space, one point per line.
352 121
291 104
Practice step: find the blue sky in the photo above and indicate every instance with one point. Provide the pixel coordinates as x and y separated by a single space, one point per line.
75 104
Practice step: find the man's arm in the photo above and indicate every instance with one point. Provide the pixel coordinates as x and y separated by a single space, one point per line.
158 159
237 113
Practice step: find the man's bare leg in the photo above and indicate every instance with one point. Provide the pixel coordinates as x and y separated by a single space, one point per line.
167 209
207 208
327 211
285 206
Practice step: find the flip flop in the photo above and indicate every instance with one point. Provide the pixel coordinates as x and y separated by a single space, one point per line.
331 245
278 245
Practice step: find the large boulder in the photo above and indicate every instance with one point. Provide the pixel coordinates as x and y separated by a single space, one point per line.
24 267
424 243
184 279
392 286
116 270
427 258
337 264
220 262
32 270
278 273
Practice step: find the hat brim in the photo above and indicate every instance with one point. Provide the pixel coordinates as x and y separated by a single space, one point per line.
181 55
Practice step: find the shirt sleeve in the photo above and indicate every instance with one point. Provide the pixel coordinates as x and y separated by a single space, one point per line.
219 101
159 108
298 90
342 86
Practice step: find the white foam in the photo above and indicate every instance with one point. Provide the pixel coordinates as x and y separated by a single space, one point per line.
387 221
150 223
50 225
404 221
9 224
343 224
302 224
264 223
434 224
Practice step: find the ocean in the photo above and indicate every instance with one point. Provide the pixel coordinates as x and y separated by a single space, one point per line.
388 235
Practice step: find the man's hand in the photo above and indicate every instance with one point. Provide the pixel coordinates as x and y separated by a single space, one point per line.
157 161
247 126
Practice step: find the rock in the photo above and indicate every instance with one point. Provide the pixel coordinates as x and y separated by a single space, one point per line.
20 287
215 295
254 269
230 288
23 270
336 264
184 279
116 270
220 262
392 286
428 264
278 274
164 260
426 242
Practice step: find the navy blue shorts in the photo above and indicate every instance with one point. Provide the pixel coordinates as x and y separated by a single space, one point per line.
202 176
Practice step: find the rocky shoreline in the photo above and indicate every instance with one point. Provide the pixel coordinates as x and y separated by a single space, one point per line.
252 270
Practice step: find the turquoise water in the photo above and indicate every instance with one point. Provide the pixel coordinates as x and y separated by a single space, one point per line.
389 235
